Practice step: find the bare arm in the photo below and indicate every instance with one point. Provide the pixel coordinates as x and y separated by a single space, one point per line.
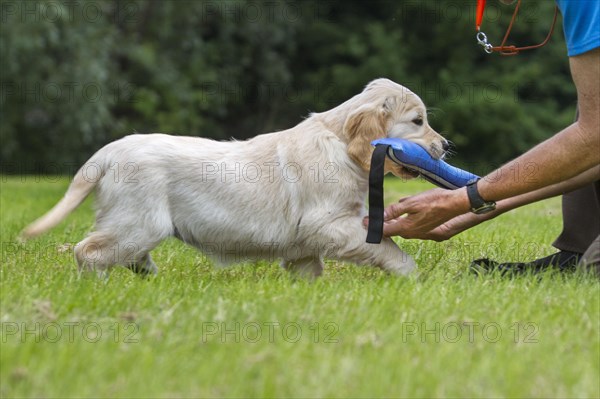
589 176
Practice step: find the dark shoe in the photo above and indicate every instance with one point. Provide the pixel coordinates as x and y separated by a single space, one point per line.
562 261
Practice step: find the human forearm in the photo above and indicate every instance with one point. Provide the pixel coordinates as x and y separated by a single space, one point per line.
582 179
553 162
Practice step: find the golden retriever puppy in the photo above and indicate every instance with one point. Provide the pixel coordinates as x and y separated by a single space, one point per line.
296 195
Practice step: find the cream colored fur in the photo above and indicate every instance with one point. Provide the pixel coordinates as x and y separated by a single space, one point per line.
298 195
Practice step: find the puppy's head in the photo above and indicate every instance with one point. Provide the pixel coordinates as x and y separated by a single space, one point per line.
387 109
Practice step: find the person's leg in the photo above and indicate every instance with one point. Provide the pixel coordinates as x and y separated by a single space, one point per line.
581 219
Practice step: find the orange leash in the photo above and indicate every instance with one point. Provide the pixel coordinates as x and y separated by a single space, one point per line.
503 49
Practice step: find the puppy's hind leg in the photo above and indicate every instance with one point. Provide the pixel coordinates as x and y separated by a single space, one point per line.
144 267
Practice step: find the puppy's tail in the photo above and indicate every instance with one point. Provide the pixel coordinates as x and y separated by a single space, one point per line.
78 190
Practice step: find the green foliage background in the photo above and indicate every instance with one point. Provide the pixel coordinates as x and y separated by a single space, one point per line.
76 75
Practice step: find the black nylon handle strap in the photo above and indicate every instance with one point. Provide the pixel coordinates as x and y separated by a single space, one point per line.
375 231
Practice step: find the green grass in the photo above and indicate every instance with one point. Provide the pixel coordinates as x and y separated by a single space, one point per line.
356 332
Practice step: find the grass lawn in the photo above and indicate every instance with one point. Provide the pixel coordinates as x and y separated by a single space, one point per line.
252 331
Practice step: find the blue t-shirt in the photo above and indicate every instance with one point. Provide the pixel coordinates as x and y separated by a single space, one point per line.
581 24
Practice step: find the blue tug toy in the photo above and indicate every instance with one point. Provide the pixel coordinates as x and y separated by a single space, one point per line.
412 157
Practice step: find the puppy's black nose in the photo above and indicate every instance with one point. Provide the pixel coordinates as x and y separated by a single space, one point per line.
445 145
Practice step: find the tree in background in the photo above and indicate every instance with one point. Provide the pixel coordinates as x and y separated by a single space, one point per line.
76 75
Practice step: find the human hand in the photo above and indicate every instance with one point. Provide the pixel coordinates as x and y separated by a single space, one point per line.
425 215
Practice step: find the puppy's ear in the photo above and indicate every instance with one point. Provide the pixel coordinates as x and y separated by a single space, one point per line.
389 104
364 125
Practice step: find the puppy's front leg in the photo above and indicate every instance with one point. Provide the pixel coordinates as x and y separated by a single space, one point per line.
393 258
347 242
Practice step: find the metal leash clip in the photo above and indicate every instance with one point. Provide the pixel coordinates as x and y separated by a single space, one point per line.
483 41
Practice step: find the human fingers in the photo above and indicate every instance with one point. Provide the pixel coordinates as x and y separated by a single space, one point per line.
396 210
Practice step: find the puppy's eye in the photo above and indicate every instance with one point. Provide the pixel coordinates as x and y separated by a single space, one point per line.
418 121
